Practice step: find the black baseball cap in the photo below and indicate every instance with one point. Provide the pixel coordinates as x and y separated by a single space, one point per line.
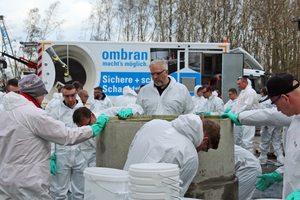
279 84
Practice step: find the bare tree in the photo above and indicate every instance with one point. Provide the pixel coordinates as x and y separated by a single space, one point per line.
51 23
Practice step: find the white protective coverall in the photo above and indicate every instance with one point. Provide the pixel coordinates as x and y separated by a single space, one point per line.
100 104
244 135
1 106
1 96
70 161
88 148
291 141
54 102
198 101
270 134
160 141
25 135
247 168
128 97
175 100
214 105
230 104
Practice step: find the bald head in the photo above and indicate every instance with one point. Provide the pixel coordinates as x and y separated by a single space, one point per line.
84 95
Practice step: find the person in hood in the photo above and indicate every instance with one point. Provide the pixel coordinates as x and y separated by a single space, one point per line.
214 105
100 101
55 101
26 131
176 142
164 96
128 97
247 100
198 98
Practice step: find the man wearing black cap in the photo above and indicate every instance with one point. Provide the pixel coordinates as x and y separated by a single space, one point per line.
26 131
284 92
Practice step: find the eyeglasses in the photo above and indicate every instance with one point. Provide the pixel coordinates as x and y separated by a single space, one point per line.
157 73
87 96
204 92
69 95
207 145
230 94
90 120
278 98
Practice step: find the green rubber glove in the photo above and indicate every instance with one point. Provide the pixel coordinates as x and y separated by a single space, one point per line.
266 180
205 113
99 125
53 165
294 196
125 113
227 110
233 118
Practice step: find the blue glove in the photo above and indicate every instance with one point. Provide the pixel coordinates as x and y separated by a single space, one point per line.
233 118
205 113
125 113
53 165
99 125
294 196
227 110
266 180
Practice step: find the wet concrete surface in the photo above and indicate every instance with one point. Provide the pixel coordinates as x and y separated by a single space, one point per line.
275 191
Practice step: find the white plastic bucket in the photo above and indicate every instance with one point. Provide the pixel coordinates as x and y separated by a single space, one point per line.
149 181
105 183
153 196
169 189
152 181
153 170
182 198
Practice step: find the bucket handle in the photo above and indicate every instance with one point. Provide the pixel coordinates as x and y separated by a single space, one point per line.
175 197
116 193
173 186
180 181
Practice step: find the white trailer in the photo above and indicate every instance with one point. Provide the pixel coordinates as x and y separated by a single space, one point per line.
114 65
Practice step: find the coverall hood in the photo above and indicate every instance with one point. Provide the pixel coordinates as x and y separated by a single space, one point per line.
13 100
58 95
195 90
190 126
128 91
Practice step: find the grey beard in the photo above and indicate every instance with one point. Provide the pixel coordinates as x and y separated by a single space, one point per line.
158 85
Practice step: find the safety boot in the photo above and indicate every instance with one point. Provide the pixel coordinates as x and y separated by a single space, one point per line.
263 158
280 157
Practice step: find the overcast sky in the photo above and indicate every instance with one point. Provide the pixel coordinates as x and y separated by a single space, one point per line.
16 11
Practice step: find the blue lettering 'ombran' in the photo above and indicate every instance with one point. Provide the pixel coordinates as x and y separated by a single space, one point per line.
124 55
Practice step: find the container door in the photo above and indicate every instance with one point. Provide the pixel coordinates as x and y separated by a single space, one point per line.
232 69
188 68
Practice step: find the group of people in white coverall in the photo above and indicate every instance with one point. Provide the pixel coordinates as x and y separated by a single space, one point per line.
284 92
27 130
